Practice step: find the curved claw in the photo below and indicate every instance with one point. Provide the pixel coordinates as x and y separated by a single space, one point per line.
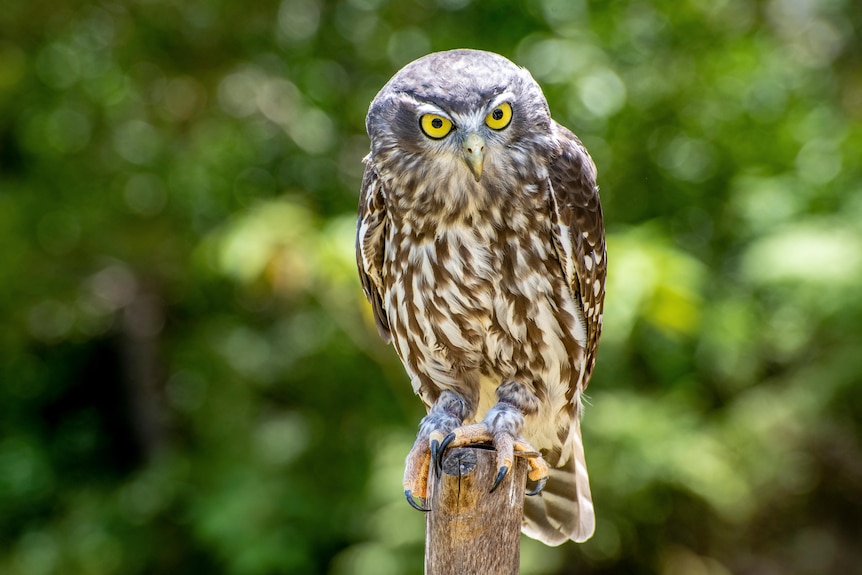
500 475
438 456
539 486
409 495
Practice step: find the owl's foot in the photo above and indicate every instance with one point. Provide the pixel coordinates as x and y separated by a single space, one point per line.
502 428
507 445
446 414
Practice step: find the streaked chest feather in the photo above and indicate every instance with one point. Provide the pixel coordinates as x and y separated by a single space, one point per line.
484 299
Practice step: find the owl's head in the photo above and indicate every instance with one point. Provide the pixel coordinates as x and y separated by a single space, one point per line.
463 114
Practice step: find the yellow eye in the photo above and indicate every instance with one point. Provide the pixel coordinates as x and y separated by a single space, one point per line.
435 126
500 116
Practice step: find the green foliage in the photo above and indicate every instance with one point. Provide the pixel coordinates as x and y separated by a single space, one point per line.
191 379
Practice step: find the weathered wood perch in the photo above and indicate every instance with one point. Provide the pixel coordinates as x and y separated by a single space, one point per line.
468 530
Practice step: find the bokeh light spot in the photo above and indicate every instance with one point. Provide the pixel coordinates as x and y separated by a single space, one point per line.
145 194
603 93
137 141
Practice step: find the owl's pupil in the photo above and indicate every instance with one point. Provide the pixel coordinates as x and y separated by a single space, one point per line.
497 114
437 123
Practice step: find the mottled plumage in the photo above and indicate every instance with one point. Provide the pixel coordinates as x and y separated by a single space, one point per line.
486 267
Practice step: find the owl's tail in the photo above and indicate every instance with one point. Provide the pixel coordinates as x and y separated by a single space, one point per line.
564 509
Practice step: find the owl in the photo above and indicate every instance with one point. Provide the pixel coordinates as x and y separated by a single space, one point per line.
480 246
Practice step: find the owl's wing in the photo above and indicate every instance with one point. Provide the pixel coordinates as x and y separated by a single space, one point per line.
564 510
579 234
371 245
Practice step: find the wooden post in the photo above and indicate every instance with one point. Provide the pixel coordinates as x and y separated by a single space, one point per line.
468 530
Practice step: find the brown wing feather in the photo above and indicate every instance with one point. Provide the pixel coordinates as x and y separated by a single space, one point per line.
565 509
371 245
580 233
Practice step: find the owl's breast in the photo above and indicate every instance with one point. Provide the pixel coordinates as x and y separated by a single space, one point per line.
482 299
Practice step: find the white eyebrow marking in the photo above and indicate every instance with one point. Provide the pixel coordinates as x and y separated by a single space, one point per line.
426 108
504 97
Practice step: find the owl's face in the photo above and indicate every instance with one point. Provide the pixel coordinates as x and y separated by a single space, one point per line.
460 116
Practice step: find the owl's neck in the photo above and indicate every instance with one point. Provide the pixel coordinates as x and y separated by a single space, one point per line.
447 194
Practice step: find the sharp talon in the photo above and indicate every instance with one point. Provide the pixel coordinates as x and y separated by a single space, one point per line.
442 448
539 486
435 454
446 441
409 495
500 475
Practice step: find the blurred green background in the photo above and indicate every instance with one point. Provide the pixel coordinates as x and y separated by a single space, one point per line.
190 381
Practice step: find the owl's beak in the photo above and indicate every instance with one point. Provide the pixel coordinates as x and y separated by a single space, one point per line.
474 154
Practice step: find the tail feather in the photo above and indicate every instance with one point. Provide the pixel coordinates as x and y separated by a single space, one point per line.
564 509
